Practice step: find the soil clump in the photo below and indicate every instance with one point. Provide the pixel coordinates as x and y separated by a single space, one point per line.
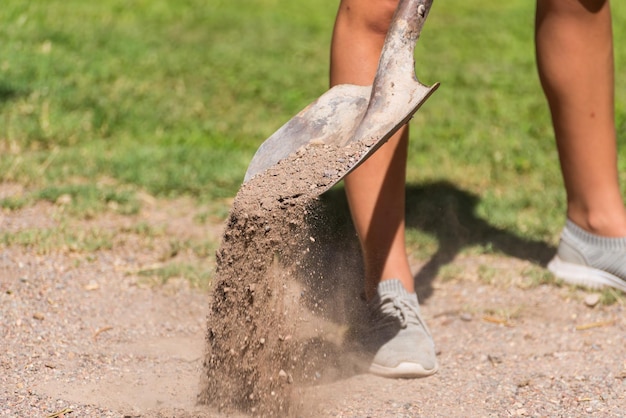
258 350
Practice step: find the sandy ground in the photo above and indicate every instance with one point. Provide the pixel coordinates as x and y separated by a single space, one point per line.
85 334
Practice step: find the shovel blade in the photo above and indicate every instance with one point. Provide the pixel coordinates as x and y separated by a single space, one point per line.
330 119
347 113
334 118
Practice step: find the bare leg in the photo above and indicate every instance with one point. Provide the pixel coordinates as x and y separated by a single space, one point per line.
376 190
575 59
394 334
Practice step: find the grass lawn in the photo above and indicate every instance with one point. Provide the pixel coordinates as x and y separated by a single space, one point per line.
102 99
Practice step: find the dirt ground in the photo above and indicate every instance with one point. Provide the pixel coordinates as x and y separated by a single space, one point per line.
84 334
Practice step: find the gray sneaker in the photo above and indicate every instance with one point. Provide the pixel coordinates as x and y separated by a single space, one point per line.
396 336
589 260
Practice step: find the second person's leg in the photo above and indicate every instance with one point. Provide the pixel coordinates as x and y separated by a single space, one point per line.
575 60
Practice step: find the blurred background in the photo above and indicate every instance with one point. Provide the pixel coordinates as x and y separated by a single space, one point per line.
103 100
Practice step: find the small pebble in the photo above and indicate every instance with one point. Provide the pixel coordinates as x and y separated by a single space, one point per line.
466 317
592 299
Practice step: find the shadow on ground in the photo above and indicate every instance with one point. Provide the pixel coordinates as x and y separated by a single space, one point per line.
449 214
9 92
439 209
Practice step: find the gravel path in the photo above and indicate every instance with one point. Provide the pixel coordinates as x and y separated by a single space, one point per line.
84 333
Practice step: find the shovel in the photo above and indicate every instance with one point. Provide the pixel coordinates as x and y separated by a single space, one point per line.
349 113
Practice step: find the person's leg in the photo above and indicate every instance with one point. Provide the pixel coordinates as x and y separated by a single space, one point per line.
395 333
575 60
376 189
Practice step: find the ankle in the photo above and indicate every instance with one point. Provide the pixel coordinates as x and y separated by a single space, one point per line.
372 286
605 225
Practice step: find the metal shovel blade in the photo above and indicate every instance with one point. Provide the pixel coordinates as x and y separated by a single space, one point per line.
348 113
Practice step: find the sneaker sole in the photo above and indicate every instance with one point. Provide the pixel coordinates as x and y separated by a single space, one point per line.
590 277
402 371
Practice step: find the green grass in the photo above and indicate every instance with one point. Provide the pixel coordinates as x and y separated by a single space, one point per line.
49 240
195 276
487 129
173 97
170 96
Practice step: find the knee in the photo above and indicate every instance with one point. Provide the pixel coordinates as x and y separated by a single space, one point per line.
370 15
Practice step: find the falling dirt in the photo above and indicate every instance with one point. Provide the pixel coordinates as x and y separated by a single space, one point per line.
260 350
